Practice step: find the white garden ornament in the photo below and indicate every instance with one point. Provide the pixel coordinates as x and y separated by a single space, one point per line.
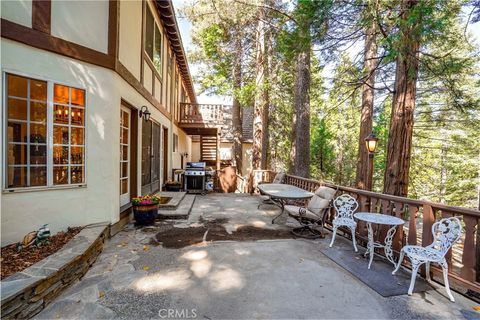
345 206
445 233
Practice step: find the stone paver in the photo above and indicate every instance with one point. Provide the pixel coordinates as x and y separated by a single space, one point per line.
181 211
237 280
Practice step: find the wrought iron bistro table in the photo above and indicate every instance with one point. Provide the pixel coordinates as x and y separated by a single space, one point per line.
280 193
381 219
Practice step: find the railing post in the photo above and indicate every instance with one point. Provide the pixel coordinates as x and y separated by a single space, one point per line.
468 256
428 220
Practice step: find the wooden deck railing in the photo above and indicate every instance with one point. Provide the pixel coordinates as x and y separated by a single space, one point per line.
463 259
201 113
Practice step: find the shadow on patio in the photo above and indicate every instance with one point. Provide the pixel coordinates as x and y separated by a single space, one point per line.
137 277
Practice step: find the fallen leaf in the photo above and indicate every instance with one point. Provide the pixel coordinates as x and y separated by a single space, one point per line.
476 308
101 294
145 247
146 268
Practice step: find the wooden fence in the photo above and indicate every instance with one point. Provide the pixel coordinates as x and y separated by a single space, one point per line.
463 259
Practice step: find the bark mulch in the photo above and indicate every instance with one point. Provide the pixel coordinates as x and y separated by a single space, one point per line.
13 261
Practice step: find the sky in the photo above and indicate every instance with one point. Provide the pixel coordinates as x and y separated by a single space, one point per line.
185 27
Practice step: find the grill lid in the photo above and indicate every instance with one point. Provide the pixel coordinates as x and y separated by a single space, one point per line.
196 165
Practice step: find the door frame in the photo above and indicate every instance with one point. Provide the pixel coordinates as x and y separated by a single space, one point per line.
133 164
165 153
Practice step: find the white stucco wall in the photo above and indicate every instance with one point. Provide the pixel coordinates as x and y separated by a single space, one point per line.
19 11
81 22
99 201
195 151
130 40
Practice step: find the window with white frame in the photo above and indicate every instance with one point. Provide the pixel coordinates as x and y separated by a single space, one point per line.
45 138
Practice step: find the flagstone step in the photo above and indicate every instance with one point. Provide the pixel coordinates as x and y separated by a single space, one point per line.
181 211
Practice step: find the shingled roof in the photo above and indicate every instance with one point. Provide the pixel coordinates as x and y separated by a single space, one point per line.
247 124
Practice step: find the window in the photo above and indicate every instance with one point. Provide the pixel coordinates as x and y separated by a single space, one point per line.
170 62
175 143
37 110
153 41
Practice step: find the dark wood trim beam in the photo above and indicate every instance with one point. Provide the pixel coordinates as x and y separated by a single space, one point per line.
42 15
113 27
130 79
41 40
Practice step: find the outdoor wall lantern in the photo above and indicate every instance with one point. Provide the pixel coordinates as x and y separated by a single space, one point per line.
371 142
145 113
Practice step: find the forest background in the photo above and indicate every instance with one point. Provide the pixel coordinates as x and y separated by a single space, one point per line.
321 75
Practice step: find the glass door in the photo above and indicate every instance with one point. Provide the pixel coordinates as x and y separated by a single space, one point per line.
124 156
150 157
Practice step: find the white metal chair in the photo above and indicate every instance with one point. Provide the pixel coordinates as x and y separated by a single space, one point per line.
345 206
445 233
264 199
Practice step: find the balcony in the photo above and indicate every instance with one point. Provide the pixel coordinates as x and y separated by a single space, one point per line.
195 117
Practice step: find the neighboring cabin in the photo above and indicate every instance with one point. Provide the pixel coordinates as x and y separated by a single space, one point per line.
75 75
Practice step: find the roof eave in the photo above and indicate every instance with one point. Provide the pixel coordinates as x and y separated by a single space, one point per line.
167 14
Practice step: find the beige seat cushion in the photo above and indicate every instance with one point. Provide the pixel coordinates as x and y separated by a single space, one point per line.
325 192
279 177
317 204
295 212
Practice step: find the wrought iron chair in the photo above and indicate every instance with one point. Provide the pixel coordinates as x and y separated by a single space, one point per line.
445 233
345 206
313 215
279 177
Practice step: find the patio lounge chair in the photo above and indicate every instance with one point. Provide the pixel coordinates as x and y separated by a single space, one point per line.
445 233
345 206
313 215
279 177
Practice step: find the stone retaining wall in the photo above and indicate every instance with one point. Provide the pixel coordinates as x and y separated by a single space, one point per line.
26 293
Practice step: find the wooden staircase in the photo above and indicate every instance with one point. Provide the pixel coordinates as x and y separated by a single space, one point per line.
208 150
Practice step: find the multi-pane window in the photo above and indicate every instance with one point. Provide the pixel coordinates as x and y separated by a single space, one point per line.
37 110
26 132
153 41
68 135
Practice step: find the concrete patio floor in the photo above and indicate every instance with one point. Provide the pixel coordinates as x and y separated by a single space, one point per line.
277 279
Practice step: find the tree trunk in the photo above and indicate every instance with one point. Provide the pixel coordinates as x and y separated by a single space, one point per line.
236 108
401 124
364 178
301 117
260 117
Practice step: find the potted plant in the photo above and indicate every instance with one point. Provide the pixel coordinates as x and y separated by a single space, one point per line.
172 185
145 209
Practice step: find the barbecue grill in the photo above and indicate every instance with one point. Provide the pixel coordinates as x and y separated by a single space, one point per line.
195 177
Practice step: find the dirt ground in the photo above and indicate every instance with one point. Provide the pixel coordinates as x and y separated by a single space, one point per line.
174 238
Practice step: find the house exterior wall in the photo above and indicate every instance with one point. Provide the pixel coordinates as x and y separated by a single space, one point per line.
25 211
130 40
106 87
195 151
226 151
68 22
19 11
